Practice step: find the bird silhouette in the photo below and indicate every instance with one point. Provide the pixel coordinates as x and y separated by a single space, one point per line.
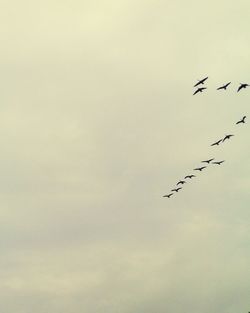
199 90
227 137
201 81
217 143
207 161
242 86
218 162
177 189
242 120
224 86
189 176
169 195
181 182
199 168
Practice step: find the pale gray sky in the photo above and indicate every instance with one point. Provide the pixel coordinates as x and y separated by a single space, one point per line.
98 122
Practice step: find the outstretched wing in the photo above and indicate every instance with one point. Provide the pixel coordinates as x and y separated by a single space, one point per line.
240 87
196 91
222 87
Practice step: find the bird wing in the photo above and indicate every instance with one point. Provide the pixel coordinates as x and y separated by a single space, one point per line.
196 91
241 86
216 143
204 79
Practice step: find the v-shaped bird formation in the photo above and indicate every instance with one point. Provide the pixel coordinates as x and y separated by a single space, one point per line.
226 137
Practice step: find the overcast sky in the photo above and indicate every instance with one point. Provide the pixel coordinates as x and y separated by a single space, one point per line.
98 122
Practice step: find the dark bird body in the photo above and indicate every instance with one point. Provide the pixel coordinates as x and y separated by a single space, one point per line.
227 137
242 120
224 87
168 196
177 189
201 81
189 176
199 168
181 182
207 161
217 143
199 90
218 162
242 86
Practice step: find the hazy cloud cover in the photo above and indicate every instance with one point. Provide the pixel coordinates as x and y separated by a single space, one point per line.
98 122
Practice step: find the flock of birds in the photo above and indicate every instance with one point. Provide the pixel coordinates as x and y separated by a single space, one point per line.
216 143
224 87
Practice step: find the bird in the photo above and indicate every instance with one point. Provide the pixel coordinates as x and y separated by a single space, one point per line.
189 176
199 168
242 86
224 86
201 81
218 162
207 161
169 195
227 137
242 120
199 90
181 182
177 189
217 143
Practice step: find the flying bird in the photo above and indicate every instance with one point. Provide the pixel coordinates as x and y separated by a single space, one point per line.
207 161
242 120
201 81
199 90
199 168
218 162
169 195
189 176
224 86
217 143
181 182
227 137
177 189
242 86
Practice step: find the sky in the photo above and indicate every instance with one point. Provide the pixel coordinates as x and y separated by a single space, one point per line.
98 122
